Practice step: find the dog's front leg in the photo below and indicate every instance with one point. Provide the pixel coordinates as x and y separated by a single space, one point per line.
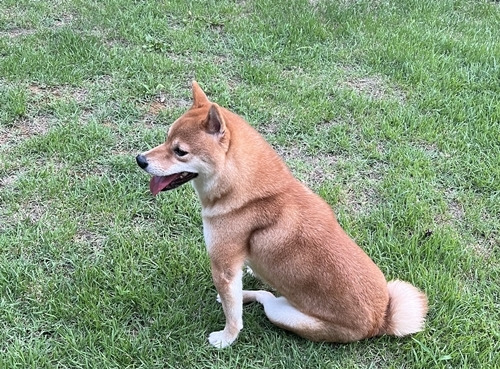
228 282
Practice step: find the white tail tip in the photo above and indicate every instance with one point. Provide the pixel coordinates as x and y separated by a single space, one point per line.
407 309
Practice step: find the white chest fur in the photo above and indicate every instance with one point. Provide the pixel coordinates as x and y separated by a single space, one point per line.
207 234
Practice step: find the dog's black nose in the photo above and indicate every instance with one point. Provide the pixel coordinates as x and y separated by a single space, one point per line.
141 161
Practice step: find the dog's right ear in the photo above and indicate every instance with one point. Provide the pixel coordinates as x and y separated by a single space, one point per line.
215 123
199 97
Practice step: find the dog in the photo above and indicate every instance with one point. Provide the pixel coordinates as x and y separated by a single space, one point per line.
256 213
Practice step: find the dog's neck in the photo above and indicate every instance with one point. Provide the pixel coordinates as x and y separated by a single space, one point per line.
250 170
210 189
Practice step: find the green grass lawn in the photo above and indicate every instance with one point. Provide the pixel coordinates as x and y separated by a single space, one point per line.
390 110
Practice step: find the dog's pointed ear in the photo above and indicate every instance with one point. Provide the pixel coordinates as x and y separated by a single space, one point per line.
215 123
199 97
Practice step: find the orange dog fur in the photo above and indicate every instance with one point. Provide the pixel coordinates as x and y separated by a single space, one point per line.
256 213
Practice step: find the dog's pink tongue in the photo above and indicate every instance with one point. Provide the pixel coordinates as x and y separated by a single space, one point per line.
159 183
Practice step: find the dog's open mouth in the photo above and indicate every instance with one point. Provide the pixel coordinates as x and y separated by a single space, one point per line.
165 183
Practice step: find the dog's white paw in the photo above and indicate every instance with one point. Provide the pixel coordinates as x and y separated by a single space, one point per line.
218 299
220 339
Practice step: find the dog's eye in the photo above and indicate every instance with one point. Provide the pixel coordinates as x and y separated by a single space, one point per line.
179 152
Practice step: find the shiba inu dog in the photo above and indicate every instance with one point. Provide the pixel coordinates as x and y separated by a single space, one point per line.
256 213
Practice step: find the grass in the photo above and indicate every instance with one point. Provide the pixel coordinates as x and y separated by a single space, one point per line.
387 109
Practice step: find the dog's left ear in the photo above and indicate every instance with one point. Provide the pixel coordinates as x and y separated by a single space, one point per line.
199 97
215 123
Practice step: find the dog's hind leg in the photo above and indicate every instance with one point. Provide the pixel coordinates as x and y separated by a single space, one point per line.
281 313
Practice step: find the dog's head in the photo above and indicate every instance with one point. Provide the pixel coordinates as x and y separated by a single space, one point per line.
195 146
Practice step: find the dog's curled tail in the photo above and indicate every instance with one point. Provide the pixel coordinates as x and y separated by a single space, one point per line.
406 310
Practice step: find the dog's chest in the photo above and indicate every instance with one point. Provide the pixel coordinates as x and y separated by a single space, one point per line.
222 234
